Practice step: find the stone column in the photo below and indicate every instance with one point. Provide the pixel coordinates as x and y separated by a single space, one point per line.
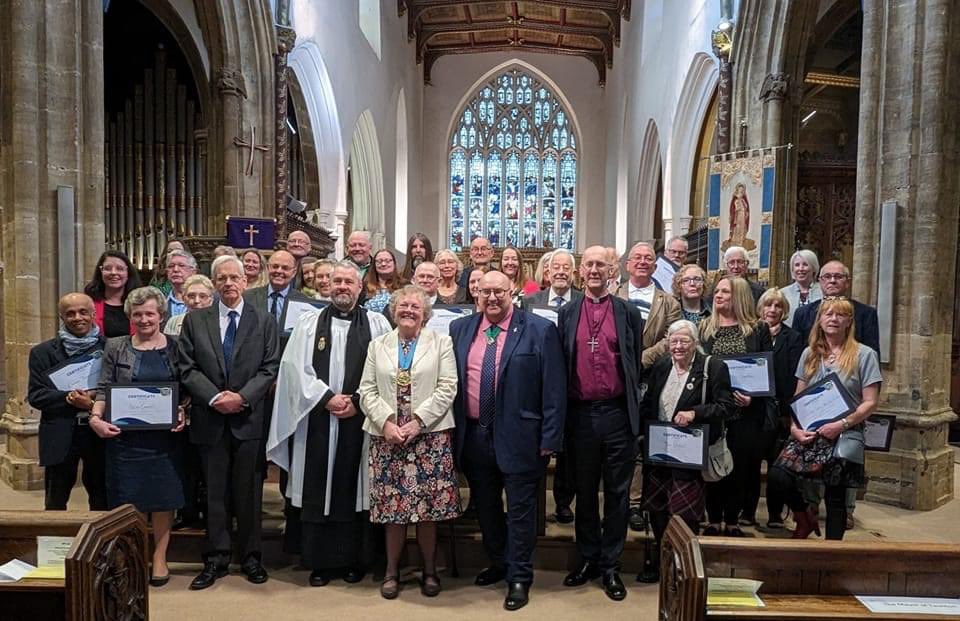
52 135
908 153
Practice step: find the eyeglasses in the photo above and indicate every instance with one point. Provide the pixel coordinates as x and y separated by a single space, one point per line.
683 340
497 293
113 269
384 262
691 280
833 276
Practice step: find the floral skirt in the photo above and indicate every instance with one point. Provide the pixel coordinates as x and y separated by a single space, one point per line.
415 482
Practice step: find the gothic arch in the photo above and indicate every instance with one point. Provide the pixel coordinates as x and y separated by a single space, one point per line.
367 211
694 103
573 117
400 210
306 63
649 184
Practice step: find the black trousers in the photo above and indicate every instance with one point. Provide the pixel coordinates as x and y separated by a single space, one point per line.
727 498
59 479
604 450
233 470
564 485
787 484
509 540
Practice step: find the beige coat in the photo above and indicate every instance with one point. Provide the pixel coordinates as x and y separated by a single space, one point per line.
663 312
434 382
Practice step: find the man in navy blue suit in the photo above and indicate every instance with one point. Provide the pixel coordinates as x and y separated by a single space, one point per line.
603 345
510 413
835 281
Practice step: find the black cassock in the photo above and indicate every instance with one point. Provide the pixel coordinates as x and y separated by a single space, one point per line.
341 537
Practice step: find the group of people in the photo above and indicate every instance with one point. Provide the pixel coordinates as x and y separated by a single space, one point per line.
372 416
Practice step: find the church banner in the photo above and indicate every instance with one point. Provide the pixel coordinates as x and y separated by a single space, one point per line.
740 211
251 232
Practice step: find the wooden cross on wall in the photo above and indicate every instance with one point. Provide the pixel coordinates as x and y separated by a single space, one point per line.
253 146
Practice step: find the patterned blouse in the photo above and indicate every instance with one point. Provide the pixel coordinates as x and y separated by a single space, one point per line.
728 340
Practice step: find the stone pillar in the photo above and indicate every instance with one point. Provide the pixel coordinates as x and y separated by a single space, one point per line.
52 134
908 153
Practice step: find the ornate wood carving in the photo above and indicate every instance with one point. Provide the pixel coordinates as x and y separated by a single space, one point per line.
826 208
721 48
776 86
286 39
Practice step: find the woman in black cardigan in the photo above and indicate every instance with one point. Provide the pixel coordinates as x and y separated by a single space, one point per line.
772 308
733 329
674 393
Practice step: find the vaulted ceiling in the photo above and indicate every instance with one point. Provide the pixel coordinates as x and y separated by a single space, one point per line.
587 28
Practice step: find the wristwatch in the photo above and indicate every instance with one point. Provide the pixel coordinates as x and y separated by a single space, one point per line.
846 424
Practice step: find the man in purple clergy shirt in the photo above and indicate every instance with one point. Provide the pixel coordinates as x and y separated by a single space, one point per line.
603 343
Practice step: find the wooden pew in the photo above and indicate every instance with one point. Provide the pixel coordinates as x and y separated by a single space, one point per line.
802 580
106 569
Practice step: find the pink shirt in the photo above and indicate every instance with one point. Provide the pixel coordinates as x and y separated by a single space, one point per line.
475 360
599 376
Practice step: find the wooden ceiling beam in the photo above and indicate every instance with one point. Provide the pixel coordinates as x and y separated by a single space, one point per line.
432 55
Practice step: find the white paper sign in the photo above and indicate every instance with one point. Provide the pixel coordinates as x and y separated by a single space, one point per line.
296 309
663 275
52 550
443 317
15 570
910 605
546 313
81 374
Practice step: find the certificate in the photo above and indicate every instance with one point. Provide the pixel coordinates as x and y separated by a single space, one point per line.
295 309
80 373
142 406
878 432
822 403
443 316
886 604
663 275
545 312
751 374
667 444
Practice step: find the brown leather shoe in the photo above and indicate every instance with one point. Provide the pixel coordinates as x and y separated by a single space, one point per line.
390 587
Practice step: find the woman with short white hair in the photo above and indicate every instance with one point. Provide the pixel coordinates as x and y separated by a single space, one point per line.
804 268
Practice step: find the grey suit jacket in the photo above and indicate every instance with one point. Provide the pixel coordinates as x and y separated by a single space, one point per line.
256 359
258 297
542 297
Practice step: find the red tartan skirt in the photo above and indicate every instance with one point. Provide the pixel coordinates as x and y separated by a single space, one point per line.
664 491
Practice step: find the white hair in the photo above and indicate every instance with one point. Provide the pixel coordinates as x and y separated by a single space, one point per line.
684 324
809 257
643 244
191 261
682 240
732 250
566 253
223 260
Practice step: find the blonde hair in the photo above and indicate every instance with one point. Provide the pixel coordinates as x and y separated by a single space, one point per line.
677 293
820 349
773 295
741 299
544 262
447 252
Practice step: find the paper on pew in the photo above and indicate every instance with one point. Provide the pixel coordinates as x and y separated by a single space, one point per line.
734 592
912 605
49 572
14 570
52 550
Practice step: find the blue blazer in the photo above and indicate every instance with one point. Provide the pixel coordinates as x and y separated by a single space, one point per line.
866 327
531 391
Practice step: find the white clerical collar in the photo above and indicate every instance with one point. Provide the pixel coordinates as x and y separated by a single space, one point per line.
554 295
593 298
225 310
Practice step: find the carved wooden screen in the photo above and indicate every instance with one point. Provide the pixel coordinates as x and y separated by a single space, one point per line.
826 204
155 141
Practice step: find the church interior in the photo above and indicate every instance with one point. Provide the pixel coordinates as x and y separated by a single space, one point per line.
537 124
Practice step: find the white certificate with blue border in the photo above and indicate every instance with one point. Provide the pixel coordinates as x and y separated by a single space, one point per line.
822 403
667 444
142 406
81 373
443 316
751 374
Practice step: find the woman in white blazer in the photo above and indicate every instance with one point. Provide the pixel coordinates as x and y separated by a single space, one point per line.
407 392
804 267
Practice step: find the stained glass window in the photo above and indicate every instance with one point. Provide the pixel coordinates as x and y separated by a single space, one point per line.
513 167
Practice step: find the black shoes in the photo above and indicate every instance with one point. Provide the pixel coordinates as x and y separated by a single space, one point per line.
211 573
564 515
613 586
578 577
159 581
319 578
254 571
353 575
491 575
518 594
638 520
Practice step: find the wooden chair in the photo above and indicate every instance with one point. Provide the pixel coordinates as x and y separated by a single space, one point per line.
106 569
801 579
